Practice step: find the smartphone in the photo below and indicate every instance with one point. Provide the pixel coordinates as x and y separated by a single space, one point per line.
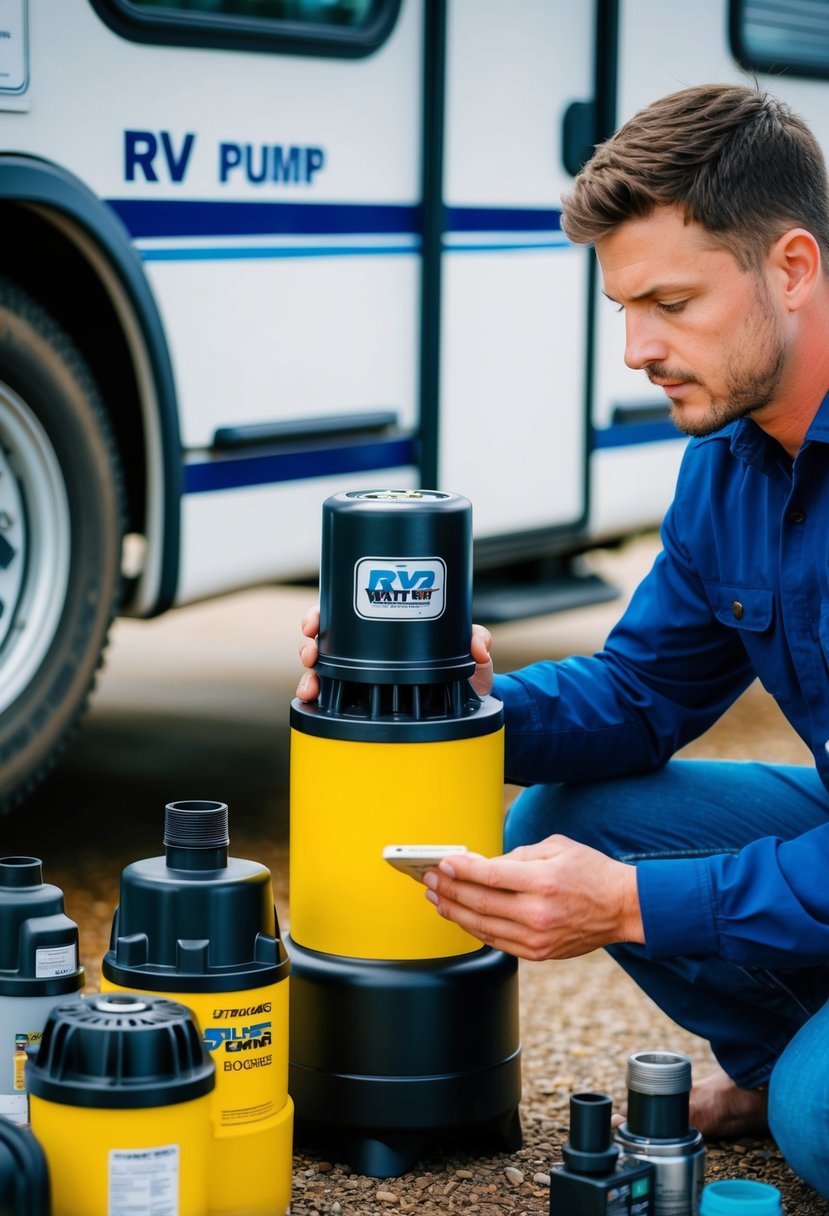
416 859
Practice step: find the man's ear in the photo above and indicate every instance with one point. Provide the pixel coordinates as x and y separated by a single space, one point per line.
795 263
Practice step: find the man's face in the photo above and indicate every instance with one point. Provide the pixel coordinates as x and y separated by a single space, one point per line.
700 327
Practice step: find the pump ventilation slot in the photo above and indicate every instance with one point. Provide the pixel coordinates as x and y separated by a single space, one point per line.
398 702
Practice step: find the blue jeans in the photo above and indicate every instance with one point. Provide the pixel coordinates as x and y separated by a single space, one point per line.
763 1025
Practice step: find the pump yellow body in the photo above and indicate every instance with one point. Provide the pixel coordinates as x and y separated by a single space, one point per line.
251 1116
350 799
81 1180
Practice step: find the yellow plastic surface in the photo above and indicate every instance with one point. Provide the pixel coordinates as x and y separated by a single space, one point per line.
349 800
78 1143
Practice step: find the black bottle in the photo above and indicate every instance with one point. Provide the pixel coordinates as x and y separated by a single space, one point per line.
594 1179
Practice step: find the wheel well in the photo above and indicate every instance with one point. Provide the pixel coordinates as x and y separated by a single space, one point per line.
43 261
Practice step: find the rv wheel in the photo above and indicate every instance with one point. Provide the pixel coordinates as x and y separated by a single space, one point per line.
60 536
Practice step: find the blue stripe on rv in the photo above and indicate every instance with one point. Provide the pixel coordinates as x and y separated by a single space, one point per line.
167 218
270 468
145 218
267 468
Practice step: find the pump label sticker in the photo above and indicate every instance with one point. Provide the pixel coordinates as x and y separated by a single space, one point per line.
143 1181
247 1072
15 1107
400 588
51 961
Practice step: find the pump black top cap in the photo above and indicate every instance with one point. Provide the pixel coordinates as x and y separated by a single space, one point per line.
396 587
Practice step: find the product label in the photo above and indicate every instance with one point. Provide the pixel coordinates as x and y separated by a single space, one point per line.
618 1200
51 961
143 1182
15 1107
239 1038
21 1042
400 588
13 48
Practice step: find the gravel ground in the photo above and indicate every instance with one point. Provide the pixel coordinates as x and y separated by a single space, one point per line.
580 1019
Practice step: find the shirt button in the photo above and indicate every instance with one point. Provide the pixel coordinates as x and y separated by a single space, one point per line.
737 609
797 517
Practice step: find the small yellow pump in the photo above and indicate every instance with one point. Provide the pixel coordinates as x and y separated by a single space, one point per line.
200 927
120 1094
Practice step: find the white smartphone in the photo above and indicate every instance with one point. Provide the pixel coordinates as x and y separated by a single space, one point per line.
416 859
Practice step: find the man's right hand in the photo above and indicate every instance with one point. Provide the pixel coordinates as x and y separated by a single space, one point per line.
309 685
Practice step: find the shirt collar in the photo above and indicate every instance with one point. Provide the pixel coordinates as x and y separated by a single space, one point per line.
819 428
751 444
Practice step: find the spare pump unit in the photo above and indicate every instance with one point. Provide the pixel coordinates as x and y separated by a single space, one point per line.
199 927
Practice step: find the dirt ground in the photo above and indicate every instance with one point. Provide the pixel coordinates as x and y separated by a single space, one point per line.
580 1019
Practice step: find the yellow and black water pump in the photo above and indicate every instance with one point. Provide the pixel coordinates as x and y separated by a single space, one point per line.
403 1028
199 927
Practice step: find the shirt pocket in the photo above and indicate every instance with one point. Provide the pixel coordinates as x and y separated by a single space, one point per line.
749 611
745 608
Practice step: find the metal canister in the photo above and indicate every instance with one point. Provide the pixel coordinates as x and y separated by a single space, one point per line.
657 1129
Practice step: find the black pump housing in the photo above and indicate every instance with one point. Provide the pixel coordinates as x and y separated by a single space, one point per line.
158 936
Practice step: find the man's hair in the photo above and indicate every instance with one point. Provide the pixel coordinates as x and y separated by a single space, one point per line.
736 160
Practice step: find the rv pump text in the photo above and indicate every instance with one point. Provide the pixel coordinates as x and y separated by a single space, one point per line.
159 156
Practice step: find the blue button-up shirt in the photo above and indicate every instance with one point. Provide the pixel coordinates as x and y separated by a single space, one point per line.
741 589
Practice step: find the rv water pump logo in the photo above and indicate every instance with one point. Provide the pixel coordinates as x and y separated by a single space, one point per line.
399 588
234 1038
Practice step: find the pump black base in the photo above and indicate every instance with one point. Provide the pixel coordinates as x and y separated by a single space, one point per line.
391 1060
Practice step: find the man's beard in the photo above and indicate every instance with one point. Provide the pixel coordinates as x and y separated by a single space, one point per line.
747 390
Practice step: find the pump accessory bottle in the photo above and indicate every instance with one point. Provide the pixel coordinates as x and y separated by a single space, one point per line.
120 1101
200 927
740 1197
38 968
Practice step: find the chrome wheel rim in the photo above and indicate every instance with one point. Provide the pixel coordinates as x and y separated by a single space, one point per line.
35 545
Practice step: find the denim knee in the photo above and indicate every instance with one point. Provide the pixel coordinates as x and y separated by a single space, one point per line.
542 810
529 816
799 1103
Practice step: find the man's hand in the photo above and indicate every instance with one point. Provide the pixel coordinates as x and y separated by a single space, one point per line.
309 685
554 899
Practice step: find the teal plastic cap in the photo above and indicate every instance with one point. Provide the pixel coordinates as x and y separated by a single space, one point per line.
739 1197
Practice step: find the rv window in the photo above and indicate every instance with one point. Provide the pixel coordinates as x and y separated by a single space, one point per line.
333 27
790 36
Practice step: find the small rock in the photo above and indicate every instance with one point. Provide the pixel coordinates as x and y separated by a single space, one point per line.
422 1182
336 1208
542 1179
464 1174
513 1175
387 1197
